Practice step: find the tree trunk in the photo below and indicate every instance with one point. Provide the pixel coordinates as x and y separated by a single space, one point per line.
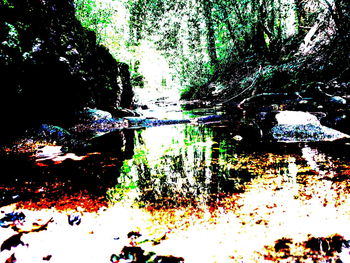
227 22
127 93
299 13
207 9
240 18
230 28
259 43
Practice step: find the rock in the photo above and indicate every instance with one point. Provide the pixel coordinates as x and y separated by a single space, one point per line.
89 115
94 122
337 100
296 126
12 219
134 254
11 242
211 119
120 113
168 259
47 258
268 101
11 259
141 122
338 120
48 152
52 67
74 219
296 118
48 133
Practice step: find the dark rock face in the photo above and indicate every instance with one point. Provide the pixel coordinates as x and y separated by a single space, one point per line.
51 67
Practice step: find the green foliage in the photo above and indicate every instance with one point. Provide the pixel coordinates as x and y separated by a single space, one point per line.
12 39
6 3
199 38
94 15
137 80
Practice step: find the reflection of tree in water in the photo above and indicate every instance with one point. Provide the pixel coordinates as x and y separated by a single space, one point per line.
182 173
199 163
196 164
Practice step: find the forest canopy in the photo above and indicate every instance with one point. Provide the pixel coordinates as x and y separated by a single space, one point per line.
206 47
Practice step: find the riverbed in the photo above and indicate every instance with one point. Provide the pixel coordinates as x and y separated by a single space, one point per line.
192 192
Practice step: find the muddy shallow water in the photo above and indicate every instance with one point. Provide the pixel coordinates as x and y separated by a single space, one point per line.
198 192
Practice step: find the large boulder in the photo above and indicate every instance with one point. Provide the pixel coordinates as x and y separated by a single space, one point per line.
297 126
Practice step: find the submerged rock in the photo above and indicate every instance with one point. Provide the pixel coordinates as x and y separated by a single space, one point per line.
11 219
74 219
51 133
306 133
297 126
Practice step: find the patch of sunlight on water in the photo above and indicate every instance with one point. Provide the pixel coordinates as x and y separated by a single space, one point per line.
164 140
288 197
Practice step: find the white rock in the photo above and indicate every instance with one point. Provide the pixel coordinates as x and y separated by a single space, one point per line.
296 118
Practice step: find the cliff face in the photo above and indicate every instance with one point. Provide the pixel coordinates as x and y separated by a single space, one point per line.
51 67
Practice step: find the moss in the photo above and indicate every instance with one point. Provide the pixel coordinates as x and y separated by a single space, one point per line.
12 38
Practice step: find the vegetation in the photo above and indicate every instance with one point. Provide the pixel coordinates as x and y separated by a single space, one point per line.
224 49
51 67
217 44
207 187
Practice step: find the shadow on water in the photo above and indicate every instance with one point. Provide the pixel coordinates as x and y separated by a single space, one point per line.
47 180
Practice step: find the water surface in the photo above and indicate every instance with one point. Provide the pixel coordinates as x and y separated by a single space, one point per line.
221 197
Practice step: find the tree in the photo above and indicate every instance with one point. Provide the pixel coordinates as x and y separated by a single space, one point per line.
207 12
200 38
94 15
136 23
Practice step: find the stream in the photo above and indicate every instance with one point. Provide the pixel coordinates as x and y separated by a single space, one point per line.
216 196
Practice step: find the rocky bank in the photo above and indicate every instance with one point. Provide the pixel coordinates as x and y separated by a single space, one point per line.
51 67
